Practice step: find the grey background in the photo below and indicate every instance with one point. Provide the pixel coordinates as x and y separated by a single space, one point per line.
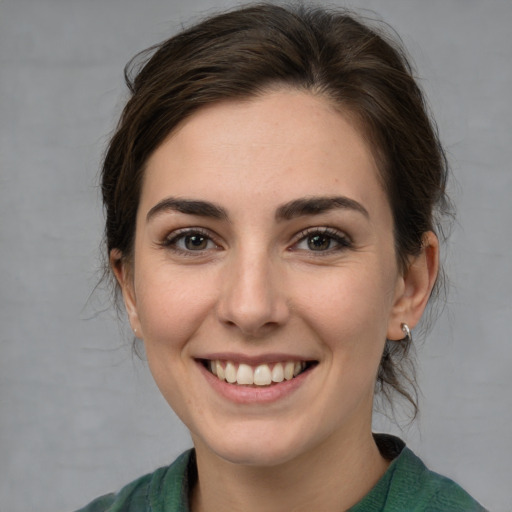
79 416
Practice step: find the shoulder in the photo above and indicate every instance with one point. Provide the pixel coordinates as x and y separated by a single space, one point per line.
132 497
408 485
417 489
148 493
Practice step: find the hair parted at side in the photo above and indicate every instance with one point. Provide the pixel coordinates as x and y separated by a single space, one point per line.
245 52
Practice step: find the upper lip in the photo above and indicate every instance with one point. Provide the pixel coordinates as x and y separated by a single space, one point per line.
253 360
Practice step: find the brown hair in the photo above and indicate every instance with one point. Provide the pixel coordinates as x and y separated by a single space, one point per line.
243 53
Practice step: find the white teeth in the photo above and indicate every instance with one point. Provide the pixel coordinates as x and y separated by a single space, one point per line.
245 375
219 371
278 373
262 375
288 371
230 372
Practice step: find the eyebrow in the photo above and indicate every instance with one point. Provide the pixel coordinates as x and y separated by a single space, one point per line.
189 207
317 205
296 208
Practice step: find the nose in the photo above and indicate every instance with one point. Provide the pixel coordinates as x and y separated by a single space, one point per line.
253 298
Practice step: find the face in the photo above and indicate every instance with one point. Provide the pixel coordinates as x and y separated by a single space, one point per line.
264 252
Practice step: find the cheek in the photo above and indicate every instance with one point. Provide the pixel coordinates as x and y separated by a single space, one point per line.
171 307
349 311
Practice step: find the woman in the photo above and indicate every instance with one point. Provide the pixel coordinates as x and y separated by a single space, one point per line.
271 194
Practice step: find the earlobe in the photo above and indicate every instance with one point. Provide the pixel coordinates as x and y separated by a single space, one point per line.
417 285
123 273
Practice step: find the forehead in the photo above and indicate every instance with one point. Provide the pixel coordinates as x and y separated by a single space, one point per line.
280 145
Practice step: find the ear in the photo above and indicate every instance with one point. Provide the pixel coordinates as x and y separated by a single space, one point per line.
124 275
416 286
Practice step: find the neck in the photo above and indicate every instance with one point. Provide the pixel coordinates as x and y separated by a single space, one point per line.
332 477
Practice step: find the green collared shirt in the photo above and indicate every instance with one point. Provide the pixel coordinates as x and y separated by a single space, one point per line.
407 486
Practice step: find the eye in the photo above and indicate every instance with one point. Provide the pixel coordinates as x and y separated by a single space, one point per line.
322 240
190 240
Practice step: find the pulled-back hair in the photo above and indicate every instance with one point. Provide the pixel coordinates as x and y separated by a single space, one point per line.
244 53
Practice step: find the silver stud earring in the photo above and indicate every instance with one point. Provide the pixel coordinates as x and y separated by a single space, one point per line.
407 332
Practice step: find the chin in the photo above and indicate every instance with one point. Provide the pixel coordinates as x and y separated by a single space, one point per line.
258 448
256 456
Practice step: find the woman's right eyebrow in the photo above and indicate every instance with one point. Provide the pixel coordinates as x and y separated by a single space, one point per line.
189 207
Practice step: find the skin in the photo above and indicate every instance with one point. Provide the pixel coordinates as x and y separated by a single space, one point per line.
257 286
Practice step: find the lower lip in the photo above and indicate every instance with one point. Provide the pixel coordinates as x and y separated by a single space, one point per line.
252 394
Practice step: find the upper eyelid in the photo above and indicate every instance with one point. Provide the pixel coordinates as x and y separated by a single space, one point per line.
182 232
325 230
340 237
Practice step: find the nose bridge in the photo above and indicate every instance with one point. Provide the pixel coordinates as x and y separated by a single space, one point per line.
252 298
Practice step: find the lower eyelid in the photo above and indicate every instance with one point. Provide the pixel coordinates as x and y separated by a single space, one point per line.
174 237
340 238
337 246
171 241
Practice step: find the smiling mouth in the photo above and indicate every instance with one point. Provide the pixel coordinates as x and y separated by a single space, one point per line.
261 375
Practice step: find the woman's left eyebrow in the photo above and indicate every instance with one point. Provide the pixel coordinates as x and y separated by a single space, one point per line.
317 205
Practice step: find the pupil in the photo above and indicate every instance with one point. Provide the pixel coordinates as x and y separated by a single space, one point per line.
195 242
319 242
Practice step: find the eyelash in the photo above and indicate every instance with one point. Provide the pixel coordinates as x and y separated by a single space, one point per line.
341 240
171 242
330 235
